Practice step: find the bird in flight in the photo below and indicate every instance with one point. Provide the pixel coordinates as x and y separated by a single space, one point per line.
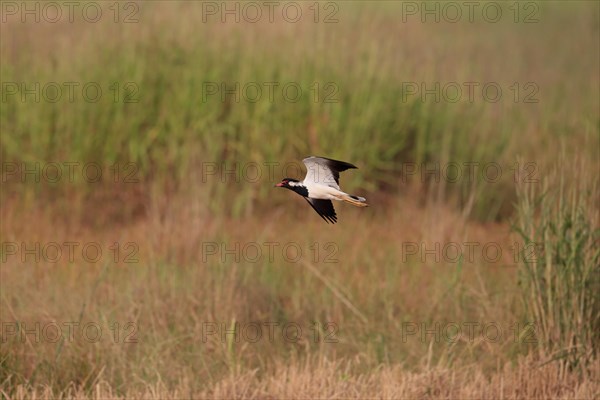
321 185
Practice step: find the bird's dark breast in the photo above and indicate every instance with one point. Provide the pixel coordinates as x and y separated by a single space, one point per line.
301 190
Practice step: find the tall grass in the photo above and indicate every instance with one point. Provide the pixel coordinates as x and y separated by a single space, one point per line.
375 289
560 265
173 127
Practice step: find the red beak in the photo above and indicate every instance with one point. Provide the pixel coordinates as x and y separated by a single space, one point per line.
280 184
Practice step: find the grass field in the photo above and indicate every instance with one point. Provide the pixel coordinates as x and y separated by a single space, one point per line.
145 252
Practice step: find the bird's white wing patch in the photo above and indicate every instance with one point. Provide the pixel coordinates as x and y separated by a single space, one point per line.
318 172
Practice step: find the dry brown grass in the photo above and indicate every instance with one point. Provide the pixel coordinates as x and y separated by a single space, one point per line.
374 289
170 294
325 379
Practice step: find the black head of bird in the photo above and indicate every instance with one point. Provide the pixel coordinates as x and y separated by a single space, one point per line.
293 185
285 183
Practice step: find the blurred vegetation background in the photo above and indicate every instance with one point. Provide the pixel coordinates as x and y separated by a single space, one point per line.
156 121
163 120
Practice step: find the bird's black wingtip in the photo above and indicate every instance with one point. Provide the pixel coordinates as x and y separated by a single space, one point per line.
337 164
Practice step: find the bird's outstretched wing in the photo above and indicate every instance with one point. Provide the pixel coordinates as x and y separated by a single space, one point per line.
325 171
324 208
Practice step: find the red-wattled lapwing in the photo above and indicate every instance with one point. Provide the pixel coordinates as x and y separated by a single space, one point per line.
321 185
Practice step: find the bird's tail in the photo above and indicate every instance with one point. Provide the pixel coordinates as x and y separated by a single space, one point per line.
355 200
